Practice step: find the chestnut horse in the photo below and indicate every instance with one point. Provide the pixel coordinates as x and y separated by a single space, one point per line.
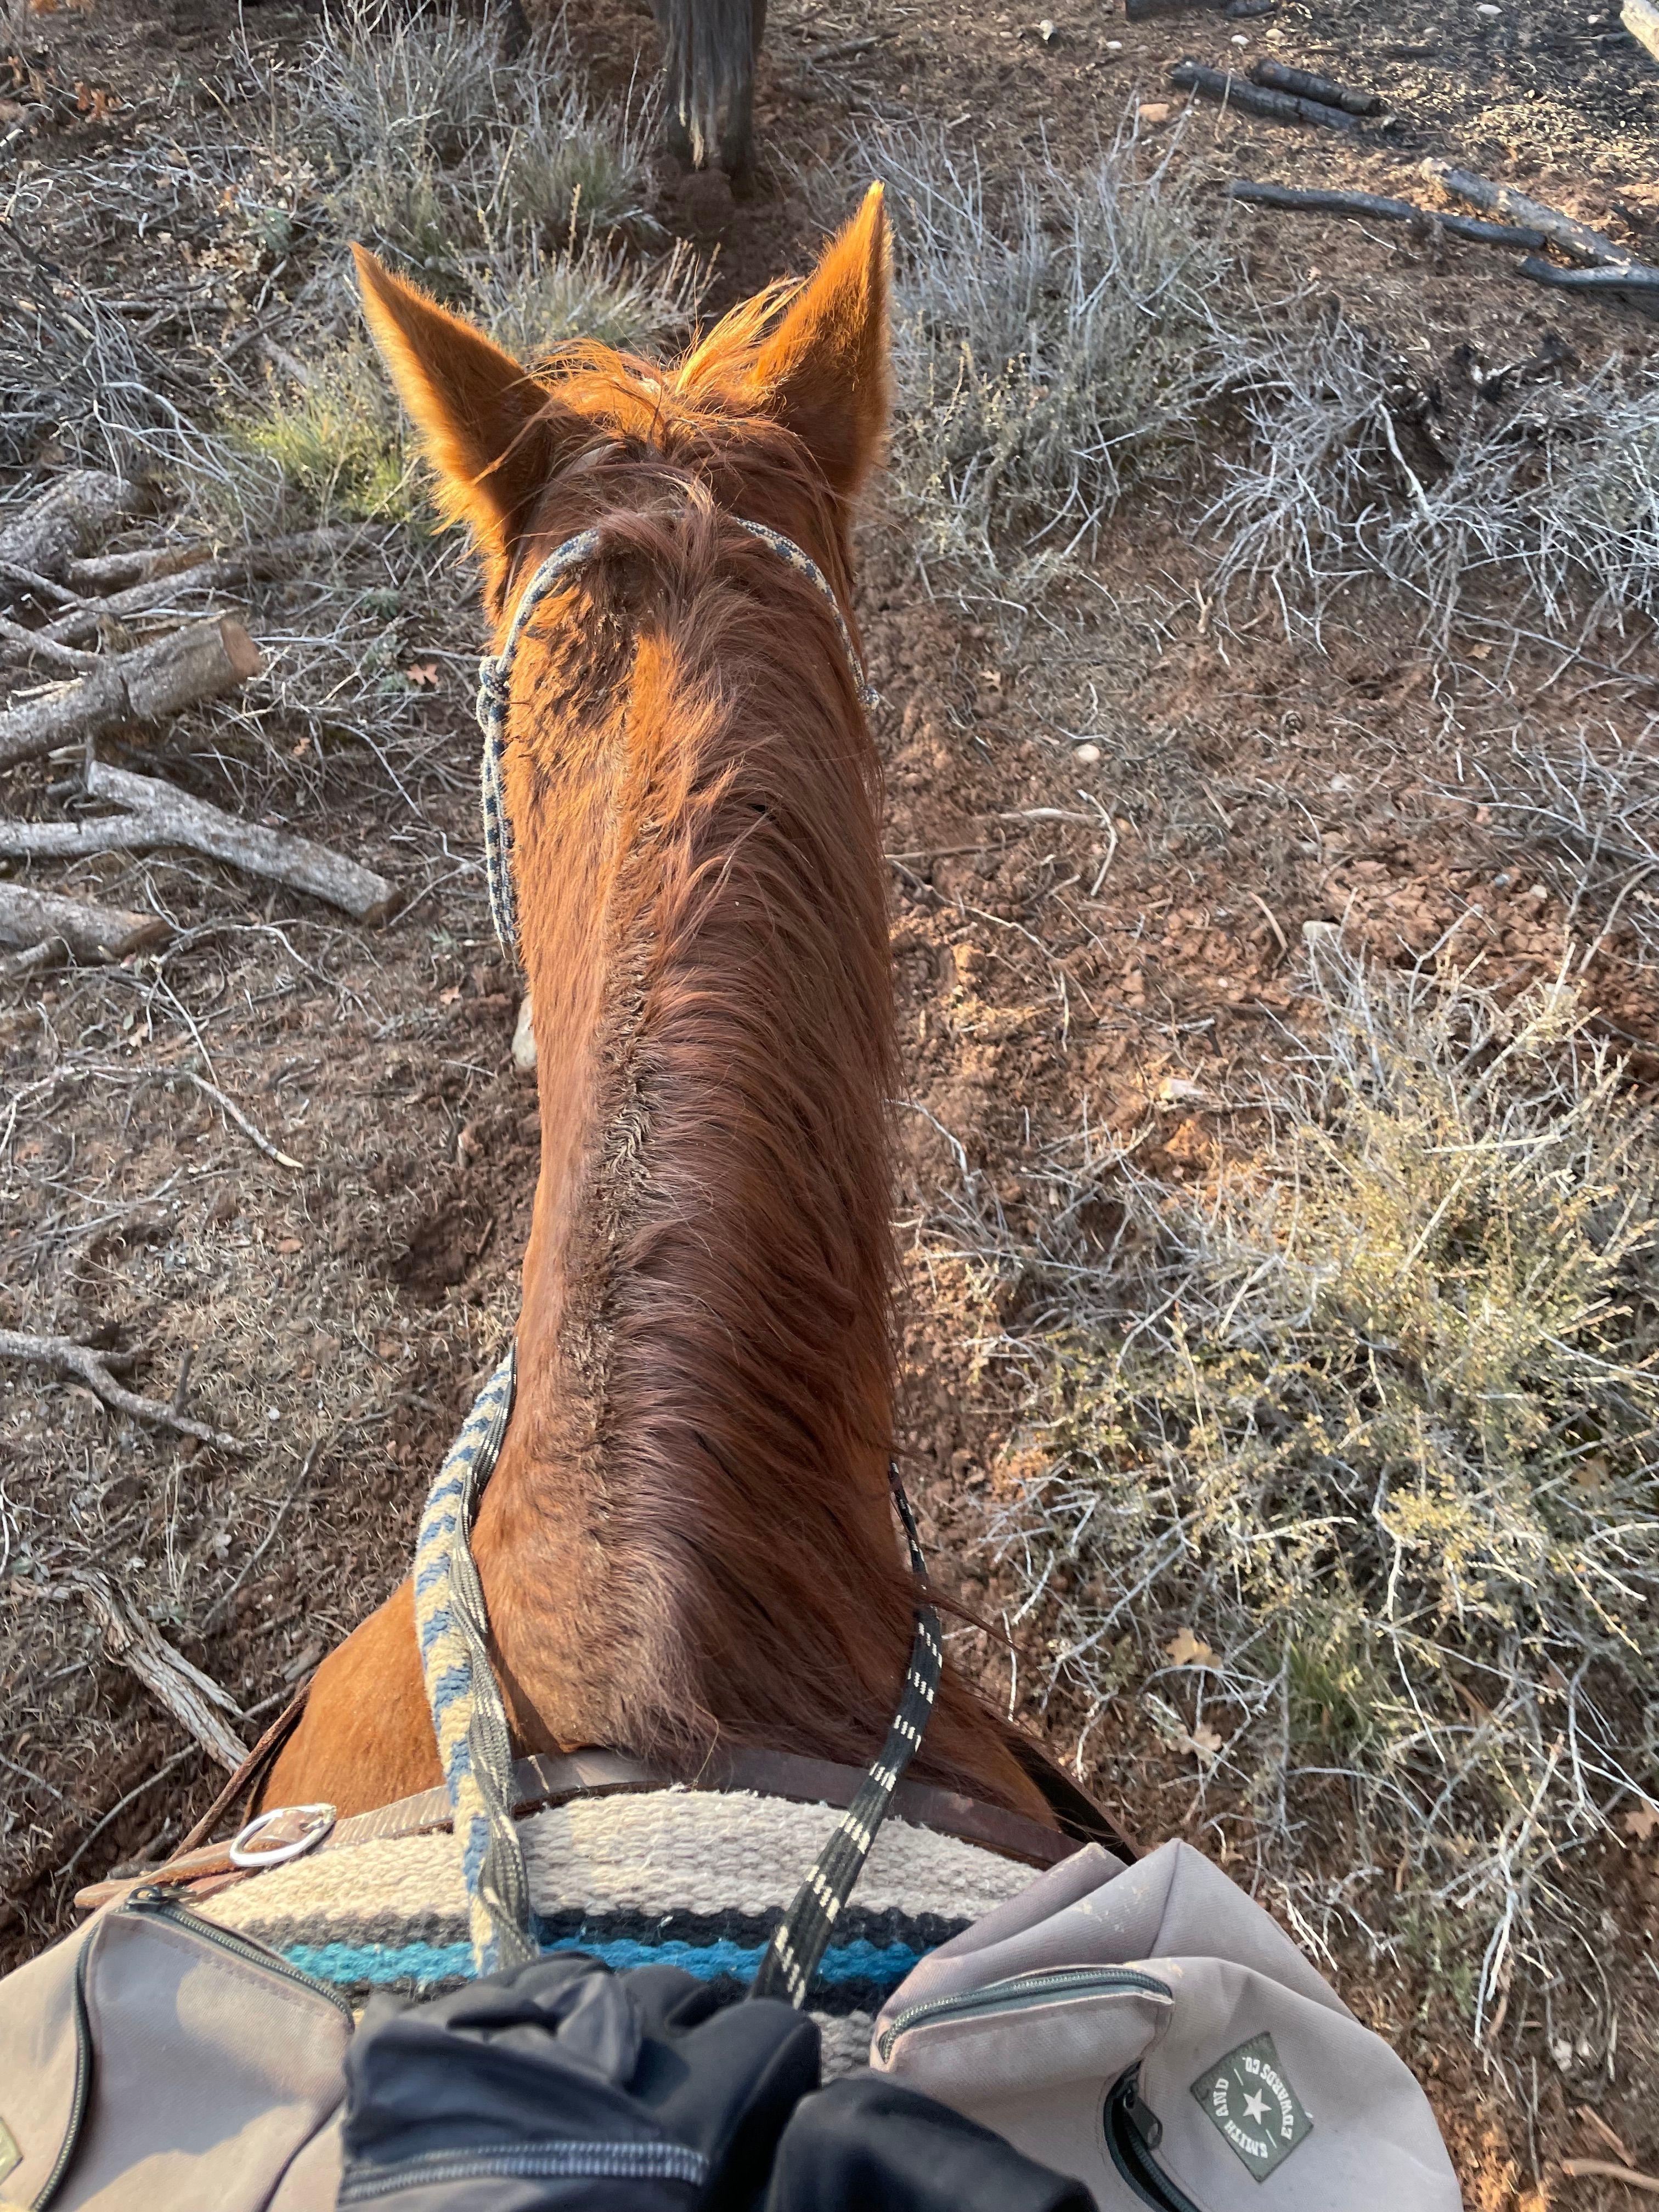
686 1539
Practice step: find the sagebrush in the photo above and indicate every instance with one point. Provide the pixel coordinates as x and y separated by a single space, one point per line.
1340 1469
1054 341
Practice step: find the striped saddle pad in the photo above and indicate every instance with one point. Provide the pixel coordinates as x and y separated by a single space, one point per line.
694 1879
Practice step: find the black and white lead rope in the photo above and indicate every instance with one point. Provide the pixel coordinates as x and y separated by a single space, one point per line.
800 1943
495 681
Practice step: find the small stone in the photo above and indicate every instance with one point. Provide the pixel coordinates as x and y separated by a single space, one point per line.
1046 30
1086 756
1153 111
1485 7
1238 38
524 1041
1115 45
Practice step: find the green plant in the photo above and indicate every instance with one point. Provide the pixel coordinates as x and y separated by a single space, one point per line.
336 441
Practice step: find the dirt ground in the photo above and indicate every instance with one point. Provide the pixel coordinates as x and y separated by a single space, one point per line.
343 1314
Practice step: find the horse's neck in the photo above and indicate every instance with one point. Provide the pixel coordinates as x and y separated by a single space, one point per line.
688 1532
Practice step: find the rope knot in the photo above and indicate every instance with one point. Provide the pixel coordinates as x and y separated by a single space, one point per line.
493 671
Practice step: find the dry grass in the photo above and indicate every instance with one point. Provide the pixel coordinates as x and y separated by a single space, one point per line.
1546 504
1587 816
1341 1474
1067 337
1055 345
432 148
505 189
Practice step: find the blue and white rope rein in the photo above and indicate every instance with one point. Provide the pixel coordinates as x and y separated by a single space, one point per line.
495 683
468 1717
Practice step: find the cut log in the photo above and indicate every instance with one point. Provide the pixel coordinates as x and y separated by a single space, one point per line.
114 571
1302 84
1254 100
1315 200
1575 240
29 917
161 815
78 509
202 662
1632 286
228 572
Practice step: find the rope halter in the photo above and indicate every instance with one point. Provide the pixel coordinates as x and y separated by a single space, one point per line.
495 691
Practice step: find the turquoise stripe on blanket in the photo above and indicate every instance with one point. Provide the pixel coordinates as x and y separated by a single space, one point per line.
424 1965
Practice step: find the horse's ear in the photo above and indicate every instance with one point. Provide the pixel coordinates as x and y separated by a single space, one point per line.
492 432
824 371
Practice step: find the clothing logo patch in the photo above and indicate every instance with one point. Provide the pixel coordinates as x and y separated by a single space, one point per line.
1249 2096
10 2157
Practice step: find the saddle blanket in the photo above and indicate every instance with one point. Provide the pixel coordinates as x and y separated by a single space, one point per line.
693 1879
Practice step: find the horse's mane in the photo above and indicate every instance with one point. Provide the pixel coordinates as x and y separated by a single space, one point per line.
695 797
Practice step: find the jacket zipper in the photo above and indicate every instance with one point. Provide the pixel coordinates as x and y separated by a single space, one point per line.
1133 2132
1019 1991
165 1906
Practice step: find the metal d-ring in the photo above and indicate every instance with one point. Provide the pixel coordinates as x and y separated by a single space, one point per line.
319 1820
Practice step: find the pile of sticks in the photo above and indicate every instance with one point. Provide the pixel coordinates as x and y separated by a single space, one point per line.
74 595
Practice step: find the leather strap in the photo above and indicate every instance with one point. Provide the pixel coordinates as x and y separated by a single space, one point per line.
549 1780
249 1775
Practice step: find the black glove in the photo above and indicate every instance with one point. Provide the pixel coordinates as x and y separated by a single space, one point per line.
560 2087
867 2144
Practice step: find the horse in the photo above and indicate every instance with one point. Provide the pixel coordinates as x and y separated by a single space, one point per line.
709 51
686 1545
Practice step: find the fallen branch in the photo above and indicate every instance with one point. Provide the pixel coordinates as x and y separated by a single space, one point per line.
224 573
35 645
234 1113
202 662
159 814
1318 201
18 967
37 585
1141 11
1632 286
30 917
1602 2169
114 572
81 506
195 1700
65 1357
1253 100
139 1789
1303 84
172 817
1575 240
